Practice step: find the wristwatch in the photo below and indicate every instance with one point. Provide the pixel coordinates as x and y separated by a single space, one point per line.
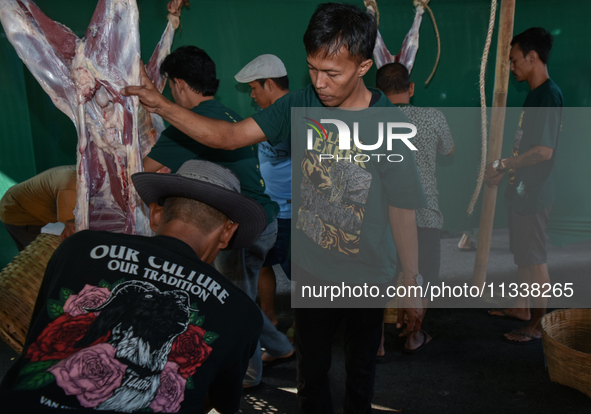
418 279
497 166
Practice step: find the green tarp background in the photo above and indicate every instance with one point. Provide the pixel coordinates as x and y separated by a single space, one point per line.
36 136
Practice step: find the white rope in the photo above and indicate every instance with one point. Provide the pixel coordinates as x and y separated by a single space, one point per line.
374 5
424 5
491 24
438 44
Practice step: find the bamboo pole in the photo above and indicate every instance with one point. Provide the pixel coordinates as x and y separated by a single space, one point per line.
506 18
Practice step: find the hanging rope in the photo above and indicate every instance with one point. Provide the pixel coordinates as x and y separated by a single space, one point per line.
423 3
374 5
484 129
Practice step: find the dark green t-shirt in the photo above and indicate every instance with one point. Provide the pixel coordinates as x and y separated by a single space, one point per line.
530 189
341 230
174 148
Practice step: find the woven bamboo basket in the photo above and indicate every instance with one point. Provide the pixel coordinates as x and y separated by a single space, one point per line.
391 311
20 281
566 335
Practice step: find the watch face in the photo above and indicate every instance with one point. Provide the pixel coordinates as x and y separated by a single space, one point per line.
419 280
496 164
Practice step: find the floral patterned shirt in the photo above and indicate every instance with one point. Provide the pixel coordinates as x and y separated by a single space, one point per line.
433 137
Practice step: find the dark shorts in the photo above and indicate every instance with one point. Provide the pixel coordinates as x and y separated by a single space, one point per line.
429 254
527 237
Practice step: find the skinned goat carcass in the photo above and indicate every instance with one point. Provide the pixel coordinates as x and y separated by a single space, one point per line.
410 45
83 78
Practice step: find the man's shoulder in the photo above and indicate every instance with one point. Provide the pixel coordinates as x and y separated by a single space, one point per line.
382 100
426 116
157 252
556 93
82 237
87 244
547 94
99 241
213 108
301 97
278 115
422 110
97 235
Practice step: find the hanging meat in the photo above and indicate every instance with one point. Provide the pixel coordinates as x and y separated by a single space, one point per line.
410 45
83 78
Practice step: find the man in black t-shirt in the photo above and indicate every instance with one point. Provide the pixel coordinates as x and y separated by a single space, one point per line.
529 192
127 323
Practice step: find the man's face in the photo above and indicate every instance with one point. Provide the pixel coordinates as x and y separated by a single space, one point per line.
260 94
520 64
336 77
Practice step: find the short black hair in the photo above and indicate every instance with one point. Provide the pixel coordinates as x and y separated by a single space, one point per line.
282 82
393 78
333 26
535 38
194 66
193 212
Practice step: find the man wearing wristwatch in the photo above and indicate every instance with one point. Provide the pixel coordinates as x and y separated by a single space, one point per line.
529 191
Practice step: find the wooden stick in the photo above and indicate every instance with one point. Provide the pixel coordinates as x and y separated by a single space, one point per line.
507 15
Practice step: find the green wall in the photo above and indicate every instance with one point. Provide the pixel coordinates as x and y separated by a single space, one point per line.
36 136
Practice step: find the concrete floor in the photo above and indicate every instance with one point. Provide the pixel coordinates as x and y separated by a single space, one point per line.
467 368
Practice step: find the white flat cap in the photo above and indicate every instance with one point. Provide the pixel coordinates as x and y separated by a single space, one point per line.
262 67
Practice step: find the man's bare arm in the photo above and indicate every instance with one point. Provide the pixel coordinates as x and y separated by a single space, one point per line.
533 156
69 229
214 133
404 230
151 165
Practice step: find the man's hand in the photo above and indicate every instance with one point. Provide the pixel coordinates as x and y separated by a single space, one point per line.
149 96
492 176
69 229
412 308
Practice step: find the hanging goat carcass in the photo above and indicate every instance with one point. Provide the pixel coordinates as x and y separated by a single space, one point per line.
83 77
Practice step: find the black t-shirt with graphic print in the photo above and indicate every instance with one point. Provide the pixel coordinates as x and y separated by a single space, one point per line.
128 323
340 208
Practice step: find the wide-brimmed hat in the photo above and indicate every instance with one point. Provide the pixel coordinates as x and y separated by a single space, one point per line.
262 67
210 184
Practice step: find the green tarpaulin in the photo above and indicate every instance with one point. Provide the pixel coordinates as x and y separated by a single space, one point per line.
36 136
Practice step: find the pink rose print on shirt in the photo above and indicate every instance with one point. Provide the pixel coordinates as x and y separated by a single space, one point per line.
91 374
59 337
89 297
189 350
171 392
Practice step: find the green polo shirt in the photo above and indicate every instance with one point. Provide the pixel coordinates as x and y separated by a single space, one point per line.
175 147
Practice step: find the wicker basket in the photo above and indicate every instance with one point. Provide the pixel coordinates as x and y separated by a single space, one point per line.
19 285
391 311
566 335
